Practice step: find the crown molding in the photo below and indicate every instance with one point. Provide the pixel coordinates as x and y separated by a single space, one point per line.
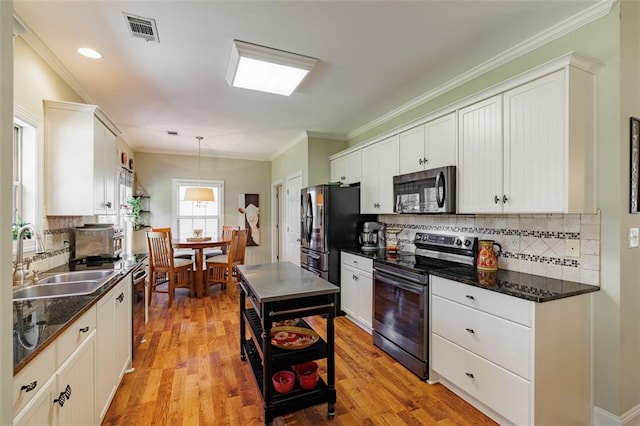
35 43
301 137
585 17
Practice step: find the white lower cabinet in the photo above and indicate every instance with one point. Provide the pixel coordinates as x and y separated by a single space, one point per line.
520 362
67 394
113 342
356 289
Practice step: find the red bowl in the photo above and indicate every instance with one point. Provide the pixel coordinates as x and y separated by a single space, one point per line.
308 382
306 369
283 381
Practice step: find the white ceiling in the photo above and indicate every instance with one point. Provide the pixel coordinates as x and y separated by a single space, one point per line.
374 57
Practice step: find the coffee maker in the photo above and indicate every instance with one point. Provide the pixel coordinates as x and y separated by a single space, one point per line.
372 236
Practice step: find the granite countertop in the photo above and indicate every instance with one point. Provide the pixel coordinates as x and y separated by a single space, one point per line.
273 282
43 320
535 288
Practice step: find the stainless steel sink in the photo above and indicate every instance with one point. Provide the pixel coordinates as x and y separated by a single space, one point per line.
101 275
75 283
41 291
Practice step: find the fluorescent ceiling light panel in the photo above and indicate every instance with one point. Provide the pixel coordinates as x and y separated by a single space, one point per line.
265 69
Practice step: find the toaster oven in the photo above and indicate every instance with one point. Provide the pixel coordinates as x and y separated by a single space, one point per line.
101 241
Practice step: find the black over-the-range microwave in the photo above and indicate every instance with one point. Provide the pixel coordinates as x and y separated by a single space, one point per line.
430 191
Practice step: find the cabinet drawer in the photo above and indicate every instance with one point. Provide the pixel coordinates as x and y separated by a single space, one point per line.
33 376
500 341
76 334
497 388
508 307
359 262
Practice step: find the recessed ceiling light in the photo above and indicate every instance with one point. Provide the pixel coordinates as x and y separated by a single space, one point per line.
89 53
265 69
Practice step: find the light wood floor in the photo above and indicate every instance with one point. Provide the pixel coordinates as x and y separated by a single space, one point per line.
189 372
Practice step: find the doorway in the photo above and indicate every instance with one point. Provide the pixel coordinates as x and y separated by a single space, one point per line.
293 185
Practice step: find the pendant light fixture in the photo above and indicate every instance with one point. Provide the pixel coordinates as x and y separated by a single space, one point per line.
199 193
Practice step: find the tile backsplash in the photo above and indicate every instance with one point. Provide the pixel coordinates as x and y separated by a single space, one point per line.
535 244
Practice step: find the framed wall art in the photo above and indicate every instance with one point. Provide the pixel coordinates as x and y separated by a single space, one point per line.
634 186
249 209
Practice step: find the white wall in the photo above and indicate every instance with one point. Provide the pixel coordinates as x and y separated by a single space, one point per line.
154 172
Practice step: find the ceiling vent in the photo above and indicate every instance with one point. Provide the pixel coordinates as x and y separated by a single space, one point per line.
144 28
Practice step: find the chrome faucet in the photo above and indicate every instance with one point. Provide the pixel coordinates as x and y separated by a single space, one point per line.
20 272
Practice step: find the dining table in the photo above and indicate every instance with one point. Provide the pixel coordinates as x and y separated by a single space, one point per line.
198 246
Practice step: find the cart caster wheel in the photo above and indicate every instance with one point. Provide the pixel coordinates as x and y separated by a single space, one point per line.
243 357
331 415
331 412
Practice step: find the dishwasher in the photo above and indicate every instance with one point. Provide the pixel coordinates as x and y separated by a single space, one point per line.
140 307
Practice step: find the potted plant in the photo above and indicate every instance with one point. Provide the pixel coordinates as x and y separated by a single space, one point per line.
15 227
134 206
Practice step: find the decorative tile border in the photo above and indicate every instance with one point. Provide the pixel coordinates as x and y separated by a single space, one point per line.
530 243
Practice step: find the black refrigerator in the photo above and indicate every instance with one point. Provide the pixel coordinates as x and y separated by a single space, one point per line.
330 221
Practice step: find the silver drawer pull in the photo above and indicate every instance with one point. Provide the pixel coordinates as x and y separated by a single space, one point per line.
469 375
470 330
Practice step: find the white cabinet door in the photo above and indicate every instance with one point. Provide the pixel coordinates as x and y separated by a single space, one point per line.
535 166
480 161
123 320
441 142
412 150
336 169
78 376
387 168
369 184
105 356
347 168
353 167
113 343
105 170
81 161
348 290
41 410
380 164
365 296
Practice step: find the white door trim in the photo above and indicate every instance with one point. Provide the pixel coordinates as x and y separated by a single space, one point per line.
276 226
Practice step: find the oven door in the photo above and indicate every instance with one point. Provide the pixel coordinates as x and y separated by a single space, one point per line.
400 312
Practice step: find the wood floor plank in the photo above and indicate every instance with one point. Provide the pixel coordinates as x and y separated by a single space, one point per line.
188 372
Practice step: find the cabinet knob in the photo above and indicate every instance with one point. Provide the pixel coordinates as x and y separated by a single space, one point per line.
425 160
504 199
420 161
31 386
120 297
470 330
470 297
496 199
343 178
108 204
469 375
84 329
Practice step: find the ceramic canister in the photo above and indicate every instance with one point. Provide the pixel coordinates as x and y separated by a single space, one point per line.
487 255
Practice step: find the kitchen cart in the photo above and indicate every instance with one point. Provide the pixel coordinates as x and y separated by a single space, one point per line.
278 292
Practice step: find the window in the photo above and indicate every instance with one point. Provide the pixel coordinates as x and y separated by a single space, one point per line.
189 215
25 177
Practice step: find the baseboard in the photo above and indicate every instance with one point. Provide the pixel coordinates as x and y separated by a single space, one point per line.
604 418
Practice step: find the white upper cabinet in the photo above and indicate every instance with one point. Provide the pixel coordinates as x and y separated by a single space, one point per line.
530 149
429 146
81 161
347 168
380 162
480 165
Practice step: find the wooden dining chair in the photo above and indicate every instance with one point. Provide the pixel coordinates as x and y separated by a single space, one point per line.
179 272
226 236
220 268
178 254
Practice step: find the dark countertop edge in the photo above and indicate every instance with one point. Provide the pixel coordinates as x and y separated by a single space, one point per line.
449 274
443 273
90 302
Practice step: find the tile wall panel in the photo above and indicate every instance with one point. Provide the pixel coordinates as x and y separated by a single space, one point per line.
535 244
